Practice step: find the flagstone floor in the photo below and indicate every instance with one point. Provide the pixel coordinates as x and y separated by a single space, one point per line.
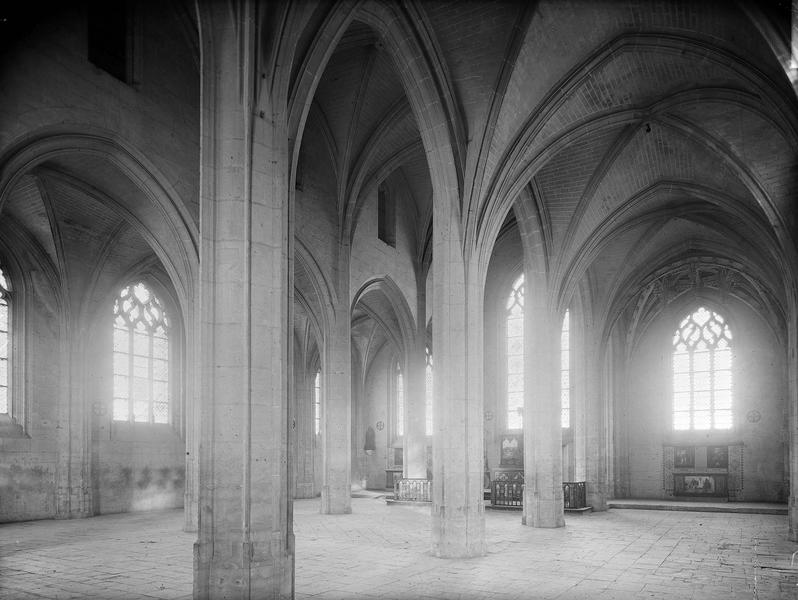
382 552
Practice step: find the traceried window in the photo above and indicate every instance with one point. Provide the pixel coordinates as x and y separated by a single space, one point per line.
428 389
565 372
5 314
514 354
141 357
702 381
399 402
317 403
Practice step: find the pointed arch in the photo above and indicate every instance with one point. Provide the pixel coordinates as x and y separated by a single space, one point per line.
169 229
422 82
393 295
321 294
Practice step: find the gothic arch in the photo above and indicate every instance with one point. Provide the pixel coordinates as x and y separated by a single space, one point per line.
395 298
169 229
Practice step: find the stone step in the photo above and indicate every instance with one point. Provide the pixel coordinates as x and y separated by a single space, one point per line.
579 511
760 508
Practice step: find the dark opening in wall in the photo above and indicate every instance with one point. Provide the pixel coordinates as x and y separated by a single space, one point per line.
109 38
386 218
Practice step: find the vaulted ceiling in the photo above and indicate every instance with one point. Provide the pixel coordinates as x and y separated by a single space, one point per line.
640 133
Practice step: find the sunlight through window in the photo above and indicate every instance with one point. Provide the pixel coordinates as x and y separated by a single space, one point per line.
702 381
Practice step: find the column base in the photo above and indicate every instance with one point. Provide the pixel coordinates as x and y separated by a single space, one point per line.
458 537
336 501
597 496
792 519
243 574
543 513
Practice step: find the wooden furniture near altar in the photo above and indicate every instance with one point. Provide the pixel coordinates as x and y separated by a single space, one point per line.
392 474
702 472
574 495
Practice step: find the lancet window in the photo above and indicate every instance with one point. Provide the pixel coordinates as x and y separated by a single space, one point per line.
399 402
5 344
514 354
317 403
428 389
565 372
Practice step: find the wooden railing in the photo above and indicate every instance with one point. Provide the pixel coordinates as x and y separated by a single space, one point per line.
412 490
573 493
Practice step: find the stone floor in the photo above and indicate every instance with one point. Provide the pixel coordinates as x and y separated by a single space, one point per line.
381 552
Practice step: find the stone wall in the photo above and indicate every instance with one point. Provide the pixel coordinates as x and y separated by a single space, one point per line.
371 257
141 467
29 451
51 91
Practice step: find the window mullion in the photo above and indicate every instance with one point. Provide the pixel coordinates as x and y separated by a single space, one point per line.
150 376
131 373
713 379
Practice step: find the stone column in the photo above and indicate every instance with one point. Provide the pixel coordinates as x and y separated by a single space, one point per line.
617 405
458 510
245 546
303 426
415 443
543 498
360 460
192 424
596 425
583 389
792 404
336 427
73 470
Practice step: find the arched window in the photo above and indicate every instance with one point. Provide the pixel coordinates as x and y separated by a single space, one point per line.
514 354
702 382
565 372
5 343
141 357
428 389
399 402
317 403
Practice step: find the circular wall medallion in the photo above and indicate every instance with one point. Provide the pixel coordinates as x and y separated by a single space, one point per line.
380 425
753 416
488 415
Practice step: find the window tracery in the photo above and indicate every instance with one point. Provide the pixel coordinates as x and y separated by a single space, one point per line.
428 381
702 377
399 402
141 357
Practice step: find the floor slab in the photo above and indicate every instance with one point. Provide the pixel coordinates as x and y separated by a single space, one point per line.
382 551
